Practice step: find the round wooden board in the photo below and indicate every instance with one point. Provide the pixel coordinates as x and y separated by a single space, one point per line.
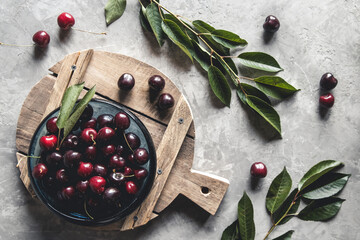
172 131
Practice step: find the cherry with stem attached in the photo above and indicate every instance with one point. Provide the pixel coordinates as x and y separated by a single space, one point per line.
66 21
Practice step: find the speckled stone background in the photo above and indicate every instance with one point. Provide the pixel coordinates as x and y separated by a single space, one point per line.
314 37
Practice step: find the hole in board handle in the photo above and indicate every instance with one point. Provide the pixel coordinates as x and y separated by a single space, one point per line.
205 190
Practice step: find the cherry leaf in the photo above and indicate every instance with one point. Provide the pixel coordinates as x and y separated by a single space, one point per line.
114 9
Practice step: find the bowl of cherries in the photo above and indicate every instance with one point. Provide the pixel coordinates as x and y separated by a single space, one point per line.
100 172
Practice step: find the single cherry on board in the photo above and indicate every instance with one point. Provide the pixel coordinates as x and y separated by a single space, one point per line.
156 83
166 101
258 170
126 82
327 100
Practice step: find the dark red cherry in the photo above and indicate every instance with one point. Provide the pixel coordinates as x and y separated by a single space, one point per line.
72 158
88 135
71 142
39 171
68 193
87 113
51 125
48 143
140 173
131 158
116 178
100 170
105 134
327 100
54 158
128 171
41 38
133 140
105 120
119 150
97 184
141 156
85 169
108 150
89 124
131 188
90 153
49 182
328 81
82 186
122 121
65 20
116 162
126 82
166 101
62 176
258 170
271 24
111 196
156 83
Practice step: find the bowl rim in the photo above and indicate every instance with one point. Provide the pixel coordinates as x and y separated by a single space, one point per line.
142 194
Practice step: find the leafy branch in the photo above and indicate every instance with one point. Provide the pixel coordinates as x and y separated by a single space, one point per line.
317 189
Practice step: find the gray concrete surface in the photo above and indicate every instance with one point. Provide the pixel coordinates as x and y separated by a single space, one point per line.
315 37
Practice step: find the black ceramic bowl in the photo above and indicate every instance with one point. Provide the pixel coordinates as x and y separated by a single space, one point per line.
75 212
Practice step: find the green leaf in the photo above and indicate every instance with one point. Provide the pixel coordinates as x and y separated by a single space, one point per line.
67 103
229 62
202 27
80 107
317 171
246 218
114 9
143 20
266 111
285 236
155 20
277 215
228 39
260 61
188 32
328 185
275 87
231 232
174 32
219 85
321 210
201 55
278 191
251 90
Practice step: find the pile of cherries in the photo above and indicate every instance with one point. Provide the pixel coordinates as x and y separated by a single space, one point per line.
98 169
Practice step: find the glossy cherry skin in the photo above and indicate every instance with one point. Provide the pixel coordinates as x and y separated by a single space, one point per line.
105 120
140 173
48 143
271 24
51 125
39 171
328 81
68 193
131 188
108 150
141 156
100 170
41 39
119 150
166 101
54 158
126 82
71 142
133 140
87 113
131 158
88 135
91 123
85 169
97 184
156 83
82 186
105 134
90 153
116 162
65 20
111 196
116 179
327 100
258 170
128 171
62 176
72 158
122 121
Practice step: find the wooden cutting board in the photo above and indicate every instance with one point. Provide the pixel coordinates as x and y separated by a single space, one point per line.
172 131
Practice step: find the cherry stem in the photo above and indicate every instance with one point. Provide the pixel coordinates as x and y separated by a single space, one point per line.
130 175
92 139
96 33
87 213
127 143
16 45
17 165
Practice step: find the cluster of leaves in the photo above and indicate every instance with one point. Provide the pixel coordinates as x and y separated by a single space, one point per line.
317 189
210 47
70 112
